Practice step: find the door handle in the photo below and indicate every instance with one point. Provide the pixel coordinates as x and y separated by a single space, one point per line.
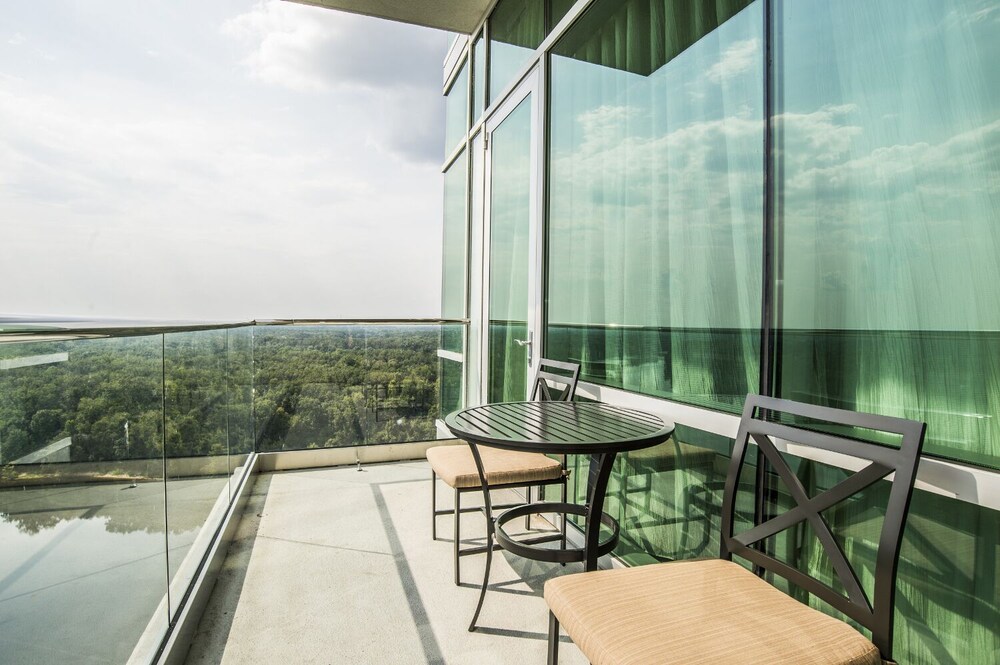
526 343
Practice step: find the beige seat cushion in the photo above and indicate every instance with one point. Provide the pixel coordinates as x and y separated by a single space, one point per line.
455 466
690 612
671 455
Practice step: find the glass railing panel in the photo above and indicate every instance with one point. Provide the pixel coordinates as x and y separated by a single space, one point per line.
324 386
195 366
451 369
401 386
82 561
239 372
308 383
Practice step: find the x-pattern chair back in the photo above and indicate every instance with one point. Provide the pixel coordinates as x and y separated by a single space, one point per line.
541 390
759 424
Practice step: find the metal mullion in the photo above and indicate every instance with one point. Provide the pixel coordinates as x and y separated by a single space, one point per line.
765 499
768 284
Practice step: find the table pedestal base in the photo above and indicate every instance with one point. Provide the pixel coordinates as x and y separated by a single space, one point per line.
563 555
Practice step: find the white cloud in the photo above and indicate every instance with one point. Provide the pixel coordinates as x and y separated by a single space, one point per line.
17 39
308 50
899 225
155 193
738 58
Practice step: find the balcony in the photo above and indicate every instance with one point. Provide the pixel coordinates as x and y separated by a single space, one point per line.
337 565
124 449
133 456
792 197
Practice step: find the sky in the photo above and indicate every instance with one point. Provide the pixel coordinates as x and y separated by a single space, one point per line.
224 160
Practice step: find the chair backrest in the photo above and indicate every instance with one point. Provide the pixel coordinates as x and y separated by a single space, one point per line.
568 375
760 424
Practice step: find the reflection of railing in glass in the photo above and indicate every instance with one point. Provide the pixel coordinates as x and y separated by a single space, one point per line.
942 377
121 448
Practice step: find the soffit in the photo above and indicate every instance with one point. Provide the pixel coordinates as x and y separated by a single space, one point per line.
462 16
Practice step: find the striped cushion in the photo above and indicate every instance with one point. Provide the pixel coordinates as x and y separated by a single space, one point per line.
689 612
455 466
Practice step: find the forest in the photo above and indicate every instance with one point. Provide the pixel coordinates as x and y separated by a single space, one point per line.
213 392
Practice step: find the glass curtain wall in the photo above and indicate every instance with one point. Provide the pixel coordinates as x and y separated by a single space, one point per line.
889 205
457 110
655 198
517 28
478 77
887 208
454 284
510 251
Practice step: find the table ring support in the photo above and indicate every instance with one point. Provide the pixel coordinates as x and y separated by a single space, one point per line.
601 465
549 555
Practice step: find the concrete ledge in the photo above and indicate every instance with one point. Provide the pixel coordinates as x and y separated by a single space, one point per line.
312 458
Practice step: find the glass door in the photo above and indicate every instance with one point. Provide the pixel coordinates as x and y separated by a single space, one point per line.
512 257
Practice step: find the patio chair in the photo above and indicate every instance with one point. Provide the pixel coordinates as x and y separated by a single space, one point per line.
718 611
505 469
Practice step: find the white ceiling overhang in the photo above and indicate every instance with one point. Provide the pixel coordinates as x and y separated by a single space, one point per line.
462 16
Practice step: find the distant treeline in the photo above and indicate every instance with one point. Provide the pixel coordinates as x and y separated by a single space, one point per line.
218 391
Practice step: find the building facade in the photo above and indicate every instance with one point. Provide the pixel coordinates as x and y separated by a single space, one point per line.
699 200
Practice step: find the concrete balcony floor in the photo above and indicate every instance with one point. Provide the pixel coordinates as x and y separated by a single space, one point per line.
338 566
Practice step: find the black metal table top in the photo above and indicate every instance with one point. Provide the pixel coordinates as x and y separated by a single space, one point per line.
588 428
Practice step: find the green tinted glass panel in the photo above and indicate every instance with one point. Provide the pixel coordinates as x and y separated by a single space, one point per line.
478 78
454 245
655 204
890 214
667 499
558 9
510 214
449 386
457 111
452 337
516 28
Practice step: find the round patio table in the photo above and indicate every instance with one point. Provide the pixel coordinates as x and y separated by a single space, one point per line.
595 429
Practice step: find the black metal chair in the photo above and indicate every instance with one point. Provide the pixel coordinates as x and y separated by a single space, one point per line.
505 469
718 611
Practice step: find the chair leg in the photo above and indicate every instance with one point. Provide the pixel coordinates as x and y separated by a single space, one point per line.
553 655
458 531
434 506
527 496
